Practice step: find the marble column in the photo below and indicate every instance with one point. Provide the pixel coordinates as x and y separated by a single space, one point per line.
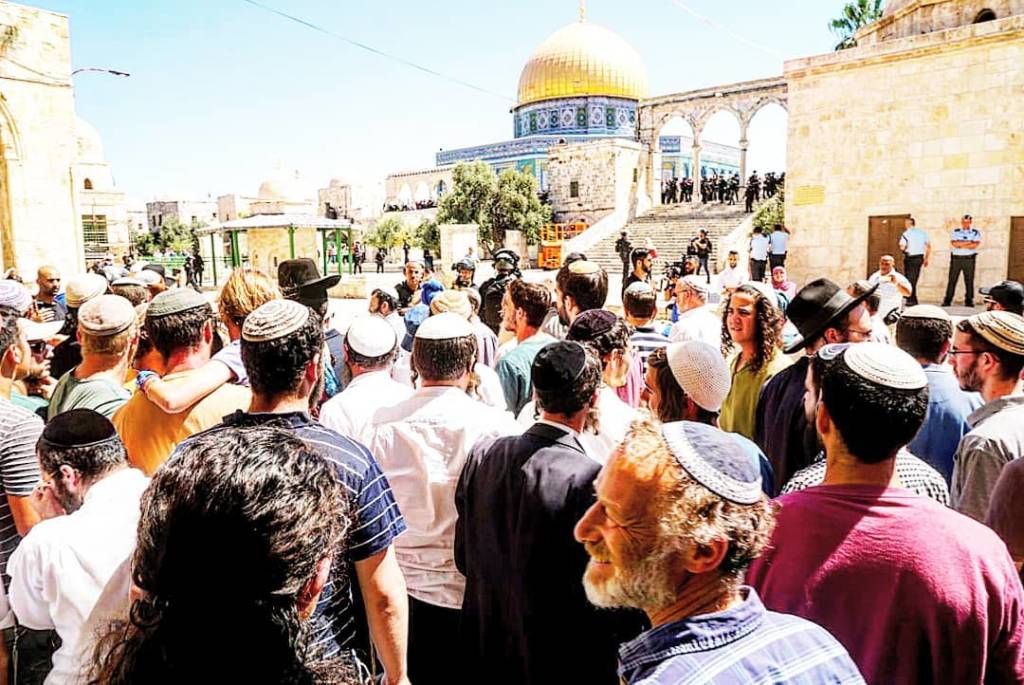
695 167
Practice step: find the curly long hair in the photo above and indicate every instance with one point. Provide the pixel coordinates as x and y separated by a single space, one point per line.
231 532
769 321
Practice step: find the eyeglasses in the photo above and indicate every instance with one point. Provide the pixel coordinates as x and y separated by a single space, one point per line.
37 346
955 351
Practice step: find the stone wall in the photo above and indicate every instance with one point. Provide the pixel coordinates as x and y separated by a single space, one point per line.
608 174
38 219
928 125
903 18
186 211
456 239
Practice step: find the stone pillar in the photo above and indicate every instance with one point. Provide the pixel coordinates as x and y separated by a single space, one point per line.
654 180
695 167
744 146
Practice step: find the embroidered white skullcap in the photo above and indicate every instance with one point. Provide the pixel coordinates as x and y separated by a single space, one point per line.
1003 329
584 267
639 288
925 311
106 315
274 319
15 295
696 283
701 371
371 336
715 459
149 277
454 301
878 363
35 331
444 326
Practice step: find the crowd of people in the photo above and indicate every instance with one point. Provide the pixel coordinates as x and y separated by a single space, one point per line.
723 188
510 482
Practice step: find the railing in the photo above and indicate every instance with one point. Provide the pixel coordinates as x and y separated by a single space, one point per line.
552 236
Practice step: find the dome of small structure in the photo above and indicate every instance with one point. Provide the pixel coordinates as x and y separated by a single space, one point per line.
89 145
282 185
583 59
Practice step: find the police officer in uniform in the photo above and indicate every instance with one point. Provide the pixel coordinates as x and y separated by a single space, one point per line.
964 242
917 252
506 264
465 270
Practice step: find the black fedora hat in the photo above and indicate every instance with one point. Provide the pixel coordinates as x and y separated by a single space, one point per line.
300 280
816 306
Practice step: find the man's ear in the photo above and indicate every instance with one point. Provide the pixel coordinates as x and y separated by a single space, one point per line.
208 332
699 559
310 592
313 368
822 419
68 475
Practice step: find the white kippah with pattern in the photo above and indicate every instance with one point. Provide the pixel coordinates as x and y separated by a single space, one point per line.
885 365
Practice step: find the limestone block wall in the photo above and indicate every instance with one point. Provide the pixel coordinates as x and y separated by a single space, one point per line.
38 221
609 175
929 126
904 18
456 239
268 247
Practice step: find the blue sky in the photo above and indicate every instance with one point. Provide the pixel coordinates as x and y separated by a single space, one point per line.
222 91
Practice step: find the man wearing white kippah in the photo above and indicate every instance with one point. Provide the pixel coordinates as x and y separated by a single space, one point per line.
698 320
915 591
422 444
369 350
988 356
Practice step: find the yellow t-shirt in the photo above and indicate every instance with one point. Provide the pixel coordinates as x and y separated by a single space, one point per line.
150 435
740 407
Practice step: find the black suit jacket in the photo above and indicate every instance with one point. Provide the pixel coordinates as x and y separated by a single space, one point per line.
525 616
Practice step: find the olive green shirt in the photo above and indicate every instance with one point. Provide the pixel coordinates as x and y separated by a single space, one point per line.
740 406
98 394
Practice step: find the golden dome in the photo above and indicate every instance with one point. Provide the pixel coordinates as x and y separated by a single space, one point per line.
583 59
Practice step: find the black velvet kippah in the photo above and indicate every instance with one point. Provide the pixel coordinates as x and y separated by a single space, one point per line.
78 428
591 324
558 365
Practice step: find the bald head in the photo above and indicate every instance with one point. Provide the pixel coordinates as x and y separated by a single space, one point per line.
48 279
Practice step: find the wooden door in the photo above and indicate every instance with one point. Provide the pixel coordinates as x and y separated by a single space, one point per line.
884 239
1015 270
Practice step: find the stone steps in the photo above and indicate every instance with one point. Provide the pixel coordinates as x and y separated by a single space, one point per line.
671 228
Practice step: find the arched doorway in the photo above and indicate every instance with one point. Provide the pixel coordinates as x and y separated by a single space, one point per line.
766 145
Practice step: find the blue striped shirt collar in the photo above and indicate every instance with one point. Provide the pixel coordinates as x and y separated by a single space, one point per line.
693 634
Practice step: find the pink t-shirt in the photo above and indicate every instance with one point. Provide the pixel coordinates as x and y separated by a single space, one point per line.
916 592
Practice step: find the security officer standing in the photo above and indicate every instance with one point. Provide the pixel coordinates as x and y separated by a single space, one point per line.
964 242
917 252
465 270
492 291
624 249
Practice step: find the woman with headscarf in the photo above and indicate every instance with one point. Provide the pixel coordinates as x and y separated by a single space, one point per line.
781 282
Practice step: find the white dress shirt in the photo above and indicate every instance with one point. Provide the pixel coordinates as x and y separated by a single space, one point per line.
701 323
614 417
422 444
351 411
490 390
732 277
888 290
59 570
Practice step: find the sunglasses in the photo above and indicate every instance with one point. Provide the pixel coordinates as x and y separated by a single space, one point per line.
38 346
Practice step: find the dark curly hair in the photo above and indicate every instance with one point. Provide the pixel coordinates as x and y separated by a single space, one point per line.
231 532
769 321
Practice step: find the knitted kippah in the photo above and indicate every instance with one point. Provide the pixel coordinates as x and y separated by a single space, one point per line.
584 267
106 315
273 320
638 288
701 371
454 301
82 288
714 459
925 311
1005 330
15 296
174 302
878 363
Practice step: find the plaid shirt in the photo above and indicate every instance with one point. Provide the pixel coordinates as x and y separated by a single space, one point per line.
739 645
914 474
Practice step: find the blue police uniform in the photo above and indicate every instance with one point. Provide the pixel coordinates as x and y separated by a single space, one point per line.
962 260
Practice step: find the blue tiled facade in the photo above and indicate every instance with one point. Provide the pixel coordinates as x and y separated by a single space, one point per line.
599 117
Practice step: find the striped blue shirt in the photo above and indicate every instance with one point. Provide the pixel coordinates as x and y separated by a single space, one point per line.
376 518
744 644
646 340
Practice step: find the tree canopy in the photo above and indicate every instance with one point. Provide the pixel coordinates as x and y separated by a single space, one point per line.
174 234
855 16
497 204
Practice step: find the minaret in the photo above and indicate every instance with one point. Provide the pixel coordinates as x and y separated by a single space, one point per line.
583 11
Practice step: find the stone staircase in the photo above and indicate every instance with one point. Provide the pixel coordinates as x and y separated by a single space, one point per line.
671 227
